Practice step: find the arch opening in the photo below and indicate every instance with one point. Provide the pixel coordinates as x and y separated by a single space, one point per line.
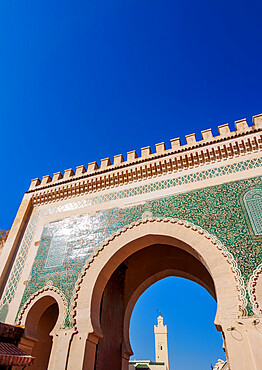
127 283
39 323
113 280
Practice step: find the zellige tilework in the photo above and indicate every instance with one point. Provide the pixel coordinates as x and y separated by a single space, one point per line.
219 210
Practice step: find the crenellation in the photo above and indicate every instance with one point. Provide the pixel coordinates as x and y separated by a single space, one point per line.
68 173
45 180
92 166
145 152
131 156
105 163
224 130
257 121
241 125
57 176
207 135
206 155
160 147
191 139
175 143
34 183
80 170
118 159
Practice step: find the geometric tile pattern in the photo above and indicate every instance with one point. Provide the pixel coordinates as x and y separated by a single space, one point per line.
218 209
253 203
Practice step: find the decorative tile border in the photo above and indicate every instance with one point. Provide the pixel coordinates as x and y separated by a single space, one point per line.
142 189
240 284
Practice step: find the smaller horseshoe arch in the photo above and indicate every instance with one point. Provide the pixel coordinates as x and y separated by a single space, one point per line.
164 248
41 316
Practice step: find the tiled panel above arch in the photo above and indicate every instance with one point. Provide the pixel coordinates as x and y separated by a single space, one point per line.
217 209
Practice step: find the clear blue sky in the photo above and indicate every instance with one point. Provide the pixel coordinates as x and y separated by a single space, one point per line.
84 80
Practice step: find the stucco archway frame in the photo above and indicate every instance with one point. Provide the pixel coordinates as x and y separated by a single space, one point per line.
205 247
50 295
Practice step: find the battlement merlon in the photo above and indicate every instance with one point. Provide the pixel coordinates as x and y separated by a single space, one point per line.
241 126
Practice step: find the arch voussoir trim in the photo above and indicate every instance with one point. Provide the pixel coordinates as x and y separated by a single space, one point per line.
38 295
239 281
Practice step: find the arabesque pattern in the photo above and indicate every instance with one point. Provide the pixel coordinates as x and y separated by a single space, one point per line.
218 210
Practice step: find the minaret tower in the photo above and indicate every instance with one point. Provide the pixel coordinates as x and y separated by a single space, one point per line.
161 348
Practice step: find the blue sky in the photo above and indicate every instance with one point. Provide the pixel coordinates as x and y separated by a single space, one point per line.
84 80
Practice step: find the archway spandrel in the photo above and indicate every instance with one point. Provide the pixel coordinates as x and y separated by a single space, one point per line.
214 256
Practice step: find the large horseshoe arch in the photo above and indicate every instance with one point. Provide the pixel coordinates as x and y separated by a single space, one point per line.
163 248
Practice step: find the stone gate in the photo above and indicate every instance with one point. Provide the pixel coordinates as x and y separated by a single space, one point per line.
85 245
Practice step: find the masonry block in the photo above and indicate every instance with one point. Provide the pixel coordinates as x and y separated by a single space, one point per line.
257 120
80 170
57 176
224 130
175 143
241 125
131 155
118 159
68 173
160 147
92 166
207 134
45 180
145 152
191 139
34 183
105 163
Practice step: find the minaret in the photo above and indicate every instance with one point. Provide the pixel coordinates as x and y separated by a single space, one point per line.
161 349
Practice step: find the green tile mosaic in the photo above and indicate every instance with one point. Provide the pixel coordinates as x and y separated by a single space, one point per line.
216 209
